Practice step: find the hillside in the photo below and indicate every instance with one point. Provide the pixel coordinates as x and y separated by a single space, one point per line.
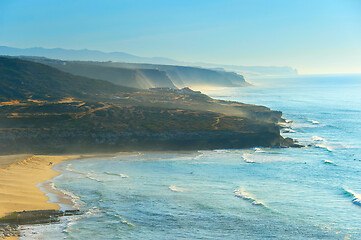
137 78
147 76
23 80
45 110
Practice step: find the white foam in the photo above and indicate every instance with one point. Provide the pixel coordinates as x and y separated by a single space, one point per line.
282 124
201 154
74 198
68 167
265 157
93 177
222 151
328 162
117 174
240 193
313 121
124 221
288 130
176 189
320 142
246 158
327 147
318 139
258 150
356 198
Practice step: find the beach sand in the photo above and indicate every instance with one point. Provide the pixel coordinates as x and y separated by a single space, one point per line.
19 175
19 178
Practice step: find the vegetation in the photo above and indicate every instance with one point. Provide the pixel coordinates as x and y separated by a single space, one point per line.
45 110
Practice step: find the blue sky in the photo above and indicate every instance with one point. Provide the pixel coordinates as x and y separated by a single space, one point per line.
314 36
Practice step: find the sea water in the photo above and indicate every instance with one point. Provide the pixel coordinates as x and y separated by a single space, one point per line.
261 193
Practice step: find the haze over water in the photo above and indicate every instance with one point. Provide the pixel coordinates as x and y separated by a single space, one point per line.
308 193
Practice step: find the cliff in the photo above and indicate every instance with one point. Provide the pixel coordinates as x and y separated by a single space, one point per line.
145 76
45 110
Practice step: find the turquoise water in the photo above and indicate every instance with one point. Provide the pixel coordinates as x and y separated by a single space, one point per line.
308 193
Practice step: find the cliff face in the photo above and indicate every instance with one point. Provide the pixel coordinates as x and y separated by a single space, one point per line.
137 78
145 76
45 110
116 128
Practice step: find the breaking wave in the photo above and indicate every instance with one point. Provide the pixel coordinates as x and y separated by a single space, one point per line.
313 121
117 174
356 198
122 220
73 198
328 162
176 189
240 193
93 177
320 142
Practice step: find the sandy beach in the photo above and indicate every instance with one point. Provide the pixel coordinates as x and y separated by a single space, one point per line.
19 175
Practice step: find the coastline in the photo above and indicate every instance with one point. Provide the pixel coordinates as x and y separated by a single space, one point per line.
25 186
19 180
22 176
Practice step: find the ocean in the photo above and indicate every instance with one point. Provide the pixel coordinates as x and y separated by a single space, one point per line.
261 193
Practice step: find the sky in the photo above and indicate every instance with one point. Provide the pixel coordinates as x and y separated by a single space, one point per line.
313 36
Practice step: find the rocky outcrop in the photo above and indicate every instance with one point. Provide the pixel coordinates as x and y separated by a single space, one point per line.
36 216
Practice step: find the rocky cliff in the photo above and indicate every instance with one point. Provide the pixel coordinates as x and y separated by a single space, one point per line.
45 110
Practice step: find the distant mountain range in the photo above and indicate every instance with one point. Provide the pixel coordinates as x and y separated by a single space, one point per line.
93 55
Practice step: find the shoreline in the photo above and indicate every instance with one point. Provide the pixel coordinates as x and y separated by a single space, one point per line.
23 176
26 185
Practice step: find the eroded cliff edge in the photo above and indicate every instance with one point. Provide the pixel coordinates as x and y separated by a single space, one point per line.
45 110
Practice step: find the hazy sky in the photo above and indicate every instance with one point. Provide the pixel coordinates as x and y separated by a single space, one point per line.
314 36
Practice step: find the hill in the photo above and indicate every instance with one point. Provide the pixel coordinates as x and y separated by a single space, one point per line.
147 76
23 80
45 110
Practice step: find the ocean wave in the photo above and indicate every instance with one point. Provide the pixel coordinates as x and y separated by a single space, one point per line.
124 221
240 193
93 211
288 121
176 189
200 154
246 158
265 157
258 150
327 147
117 174
328 162
73 198
222 151
288 130
318 139
283 125
69 169
93 177
298 125
320 142
356 198
313 121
